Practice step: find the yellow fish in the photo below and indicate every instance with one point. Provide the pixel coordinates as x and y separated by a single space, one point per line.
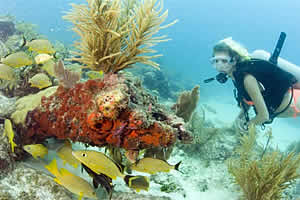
153 165
9 132
71 182
65 153
49 67
95 74
138 182
40 81
18 59
36 150
101 164
7 73
42 58
40 46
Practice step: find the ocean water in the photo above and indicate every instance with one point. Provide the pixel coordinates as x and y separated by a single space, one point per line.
256 24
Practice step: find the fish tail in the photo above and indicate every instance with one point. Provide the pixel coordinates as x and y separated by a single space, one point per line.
132 181
24 42
127 180
52 168
176 167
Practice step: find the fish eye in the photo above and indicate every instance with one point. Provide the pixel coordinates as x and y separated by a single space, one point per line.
83 155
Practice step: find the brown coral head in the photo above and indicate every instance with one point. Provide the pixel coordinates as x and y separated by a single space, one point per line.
111 102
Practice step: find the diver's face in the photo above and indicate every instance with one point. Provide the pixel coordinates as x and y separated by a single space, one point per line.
222 62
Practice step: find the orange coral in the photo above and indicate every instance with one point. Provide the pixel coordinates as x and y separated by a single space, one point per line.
97 112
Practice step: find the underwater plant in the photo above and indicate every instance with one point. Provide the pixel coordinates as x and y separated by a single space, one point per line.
116 34
262 177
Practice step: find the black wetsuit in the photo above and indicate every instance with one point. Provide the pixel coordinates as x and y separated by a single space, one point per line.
274 80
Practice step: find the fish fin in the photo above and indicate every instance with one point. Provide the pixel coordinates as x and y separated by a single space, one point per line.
95 184
128 179
54 55
64 172
24 42
75 166
176 167
13 145
52 167
57 181
80 195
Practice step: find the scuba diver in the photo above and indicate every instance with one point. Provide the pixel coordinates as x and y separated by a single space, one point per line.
264 82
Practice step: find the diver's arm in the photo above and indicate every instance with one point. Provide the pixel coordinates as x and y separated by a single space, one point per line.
252 88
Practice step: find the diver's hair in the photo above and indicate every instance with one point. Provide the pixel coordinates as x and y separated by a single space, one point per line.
233 48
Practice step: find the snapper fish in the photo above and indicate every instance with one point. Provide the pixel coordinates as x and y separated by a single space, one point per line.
65 153
9 132
18 59
36 150
95 74
7 73
49 67
40 46
101 164
100 179
42 58
40 81
71 182
153 165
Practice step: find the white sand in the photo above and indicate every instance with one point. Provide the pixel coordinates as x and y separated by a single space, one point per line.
284 131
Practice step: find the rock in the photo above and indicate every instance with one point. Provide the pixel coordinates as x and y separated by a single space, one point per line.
27 184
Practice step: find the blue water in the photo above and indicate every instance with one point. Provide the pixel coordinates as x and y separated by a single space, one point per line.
256 24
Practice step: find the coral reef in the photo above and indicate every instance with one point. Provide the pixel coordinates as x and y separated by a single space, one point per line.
263 177
7 106
28 103
112 40
7 163
187 103
3 49
156 80
27 184
7 27
101 112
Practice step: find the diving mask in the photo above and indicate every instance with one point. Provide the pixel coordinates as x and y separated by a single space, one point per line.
222 63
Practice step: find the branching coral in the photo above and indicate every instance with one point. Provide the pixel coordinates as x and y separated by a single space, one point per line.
262 178
115 35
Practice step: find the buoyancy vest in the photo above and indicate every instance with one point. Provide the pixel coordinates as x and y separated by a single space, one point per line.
275 82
